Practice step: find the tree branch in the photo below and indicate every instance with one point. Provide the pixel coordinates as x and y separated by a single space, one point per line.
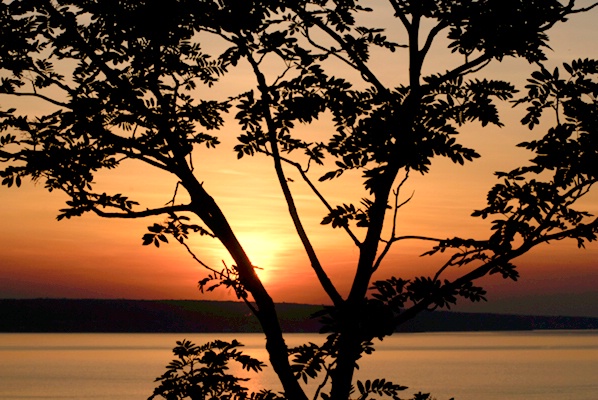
328 51
324 381
111 75
394 221
142 214
430 39
206 208
563 234
154 163
568 10
581 189
43 97
71 27
218 273
454 257
416 237
399 13
6 156
487 267
61 85
359 64
463 69
584 9
316 192
325 281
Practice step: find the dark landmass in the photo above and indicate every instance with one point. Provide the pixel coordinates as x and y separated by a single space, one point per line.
162 316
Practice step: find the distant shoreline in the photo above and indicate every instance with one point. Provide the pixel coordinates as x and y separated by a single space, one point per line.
201 316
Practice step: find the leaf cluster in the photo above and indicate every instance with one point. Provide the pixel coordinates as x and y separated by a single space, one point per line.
341 215
175 225
125 91
379 387
201 372
82 201
537 202
309 359
375 132
397 294
490 26
227 277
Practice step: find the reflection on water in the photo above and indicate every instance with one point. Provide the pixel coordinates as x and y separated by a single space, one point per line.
547 365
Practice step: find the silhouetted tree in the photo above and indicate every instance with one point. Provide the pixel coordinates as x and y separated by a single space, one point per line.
123 78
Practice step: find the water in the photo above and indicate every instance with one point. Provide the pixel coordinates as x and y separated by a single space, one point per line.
547 365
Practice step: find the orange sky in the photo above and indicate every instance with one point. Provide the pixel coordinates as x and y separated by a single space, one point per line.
93 258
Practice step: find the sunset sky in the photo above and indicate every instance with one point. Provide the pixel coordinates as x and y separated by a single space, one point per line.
90 257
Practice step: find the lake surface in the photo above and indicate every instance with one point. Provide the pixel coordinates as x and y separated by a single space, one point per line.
547 365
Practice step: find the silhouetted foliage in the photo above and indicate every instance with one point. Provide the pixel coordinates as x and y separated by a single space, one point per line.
200 372
132 81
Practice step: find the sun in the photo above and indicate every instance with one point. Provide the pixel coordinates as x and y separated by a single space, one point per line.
264 252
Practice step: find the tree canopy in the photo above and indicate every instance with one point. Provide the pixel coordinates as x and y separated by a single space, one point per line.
135 80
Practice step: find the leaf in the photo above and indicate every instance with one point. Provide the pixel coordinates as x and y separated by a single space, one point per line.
361 388
148 239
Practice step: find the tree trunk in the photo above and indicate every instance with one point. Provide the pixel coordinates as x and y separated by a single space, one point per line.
349 349
207 209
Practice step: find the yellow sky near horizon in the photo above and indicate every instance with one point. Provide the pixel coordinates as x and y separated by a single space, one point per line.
90 257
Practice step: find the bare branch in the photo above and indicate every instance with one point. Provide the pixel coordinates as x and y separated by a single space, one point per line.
417 237
176 189
382 255
466 68
282 74
394 221
568 10
325 281
206 266
318 194
142 214
430 39
43 97
584 9
324 381
141 157
389 243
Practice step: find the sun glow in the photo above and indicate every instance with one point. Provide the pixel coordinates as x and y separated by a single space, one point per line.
264 251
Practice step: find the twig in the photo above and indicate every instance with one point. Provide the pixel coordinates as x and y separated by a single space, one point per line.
176 189
220 274
394 221
321 385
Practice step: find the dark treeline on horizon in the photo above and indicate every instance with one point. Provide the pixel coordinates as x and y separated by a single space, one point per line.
165 316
